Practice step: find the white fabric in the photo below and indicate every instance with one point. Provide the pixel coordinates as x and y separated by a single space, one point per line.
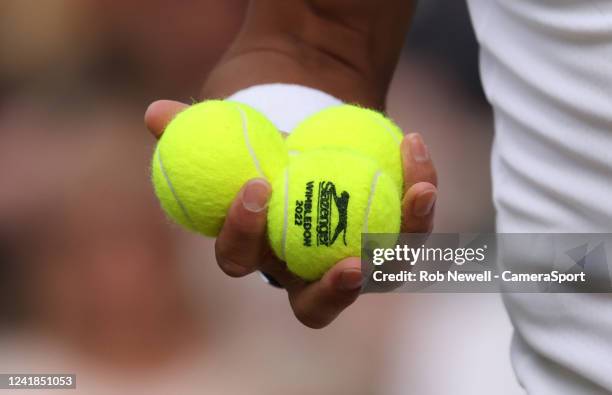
547 70
285 104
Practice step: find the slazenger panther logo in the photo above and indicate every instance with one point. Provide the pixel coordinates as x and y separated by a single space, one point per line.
329 205
328 198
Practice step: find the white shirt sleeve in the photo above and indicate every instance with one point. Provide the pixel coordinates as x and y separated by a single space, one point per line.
285 104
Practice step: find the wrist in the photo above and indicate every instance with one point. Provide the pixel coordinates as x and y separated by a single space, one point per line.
250 63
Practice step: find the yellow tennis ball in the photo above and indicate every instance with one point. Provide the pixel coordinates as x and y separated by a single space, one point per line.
347 126
204 157
322 203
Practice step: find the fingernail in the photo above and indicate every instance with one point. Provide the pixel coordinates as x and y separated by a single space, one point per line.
424 203
351 280
419 150
255 195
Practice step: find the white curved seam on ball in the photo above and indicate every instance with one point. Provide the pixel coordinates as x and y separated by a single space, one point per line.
388 129
370 199
247 141
285 218
178 201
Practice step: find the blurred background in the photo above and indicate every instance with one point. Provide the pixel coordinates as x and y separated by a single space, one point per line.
95 281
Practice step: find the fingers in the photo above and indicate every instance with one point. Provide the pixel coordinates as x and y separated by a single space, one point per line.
160 113
416 162
420 186
418 208
277 269
241 248
319 303
240 243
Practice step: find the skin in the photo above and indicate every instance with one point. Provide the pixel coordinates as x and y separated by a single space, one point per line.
289 42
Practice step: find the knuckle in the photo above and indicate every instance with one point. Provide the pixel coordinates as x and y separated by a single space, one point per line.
311 322
345 299
229 264
428 174
305 316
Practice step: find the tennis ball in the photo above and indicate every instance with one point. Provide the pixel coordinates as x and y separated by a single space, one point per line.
206 154
347 126
322 203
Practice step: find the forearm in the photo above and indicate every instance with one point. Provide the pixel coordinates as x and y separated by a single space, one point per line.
346 48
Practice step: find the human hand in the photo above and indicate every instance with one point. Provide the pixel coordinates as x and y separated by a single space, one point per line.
242 246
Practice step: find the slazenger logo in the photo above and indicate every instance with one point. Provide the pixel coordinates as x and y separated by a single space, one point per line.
327 196
330 206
